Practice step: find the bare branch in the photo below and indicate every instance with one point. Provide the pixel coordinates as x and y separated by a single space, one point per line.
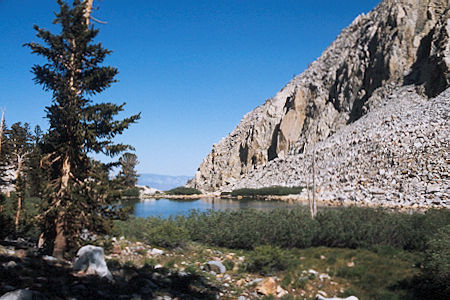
97 20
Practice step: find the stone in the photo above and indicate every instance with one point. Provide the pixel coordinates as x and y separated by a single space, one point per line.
216 267
116 249
23 294
320 297
91 260
156 251
267 287
10 265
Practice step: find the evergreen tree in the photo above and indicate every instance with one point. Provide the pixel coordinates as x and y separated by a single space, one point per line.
19 147
35 179
128 174
77 194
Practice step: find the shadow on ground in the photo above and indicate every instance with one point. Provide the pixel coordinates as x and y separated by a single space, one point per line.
56 280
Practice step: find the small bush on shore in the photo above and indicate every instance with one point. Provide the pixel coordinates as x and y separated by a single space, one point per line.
131 192
433 283
267 191
268 259
182 190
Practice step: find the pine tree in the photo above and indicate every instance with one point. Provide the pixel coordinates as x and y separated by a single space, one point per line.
35 179
128 174
77 194
19 147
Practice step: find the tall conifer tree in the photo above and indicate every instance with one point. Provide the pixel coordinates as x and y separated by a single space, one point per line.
78 195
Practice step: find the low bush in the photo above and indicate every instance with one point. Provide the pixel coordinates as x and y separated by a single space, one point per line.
131 192
168 233
350 227
433 283
268 259
267 191
182 190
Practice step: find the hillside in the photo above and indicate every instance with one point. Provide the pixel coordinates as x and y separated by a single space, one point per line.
398 54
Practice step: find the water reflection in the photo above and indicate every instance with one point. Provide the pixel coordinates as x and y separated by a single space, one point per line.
172 207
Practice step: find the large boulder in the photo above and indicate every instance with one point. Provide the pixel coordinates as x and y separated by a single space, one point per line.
91 261
23 294
216 266
320 297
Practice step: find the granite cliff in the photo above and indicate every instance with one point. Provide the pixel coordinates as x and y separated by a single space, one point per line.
400 49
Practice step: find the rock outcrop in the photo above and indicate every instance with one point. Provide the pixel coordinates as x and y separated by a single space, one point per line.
399 43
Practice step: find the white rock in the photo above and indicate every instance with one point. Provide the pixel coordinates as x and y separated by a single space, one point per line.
23 294
91 260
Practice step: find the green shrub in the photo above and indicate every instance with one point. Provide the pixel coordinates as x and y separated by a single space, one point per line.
378 229
182 190
268 259
433 283
267 191
168 233
245 229
131 192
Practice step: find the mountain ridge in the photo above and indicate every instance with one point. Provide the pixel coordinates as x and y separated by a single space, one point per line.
162 182
398 43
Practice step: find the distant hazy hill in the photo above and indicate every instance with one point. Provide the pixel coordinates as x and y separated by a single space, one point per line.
162 182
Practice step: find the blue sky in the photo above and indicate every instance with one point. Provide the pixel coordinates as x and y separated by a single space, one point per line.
192 68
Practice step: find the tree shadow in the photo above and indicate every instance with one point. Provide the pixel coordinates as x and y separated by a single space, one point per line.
56 280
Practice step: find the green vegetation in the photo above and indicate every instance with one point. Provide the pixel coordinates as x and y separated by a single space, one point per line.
267 191
131 192
267 259
434 280
182 190
378 253
78 192
350 227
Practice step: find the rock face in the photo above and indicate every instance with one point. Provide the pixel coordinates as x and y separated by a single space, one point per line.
400 43
396 155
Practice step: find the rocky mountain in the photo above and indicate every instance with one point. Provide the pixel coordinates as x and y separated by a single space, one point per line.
162 182
393 62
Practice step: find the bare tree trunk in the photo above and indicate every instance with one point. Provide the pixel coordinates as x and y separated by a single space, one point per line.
18 191
2 123
87 13
19 209
59 246
314 204
60 243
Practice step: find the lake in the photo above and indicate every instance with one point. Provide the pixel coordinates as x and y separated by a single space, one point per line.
174 207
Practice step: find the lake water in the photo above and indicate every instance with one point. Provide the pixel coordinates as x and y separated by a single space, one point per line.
172 207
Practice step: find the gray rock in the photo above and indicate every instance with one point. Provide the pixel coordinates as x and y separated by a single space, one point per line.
91 260
216 267
23 294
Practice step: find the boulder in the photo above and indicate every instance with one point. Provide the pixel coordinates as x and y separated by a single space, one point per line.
320 297
91 260
216 266
267 287
23 294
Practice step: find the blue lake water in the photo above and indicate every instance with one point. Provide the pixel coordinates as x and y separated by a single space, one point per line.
172 207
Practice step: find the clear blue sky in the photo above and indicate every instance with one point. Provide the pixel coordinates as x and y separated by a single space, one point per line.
192 68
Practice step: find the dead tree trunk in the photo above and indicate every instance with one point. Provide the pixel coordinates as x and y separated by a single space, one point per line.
2 123
314 204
